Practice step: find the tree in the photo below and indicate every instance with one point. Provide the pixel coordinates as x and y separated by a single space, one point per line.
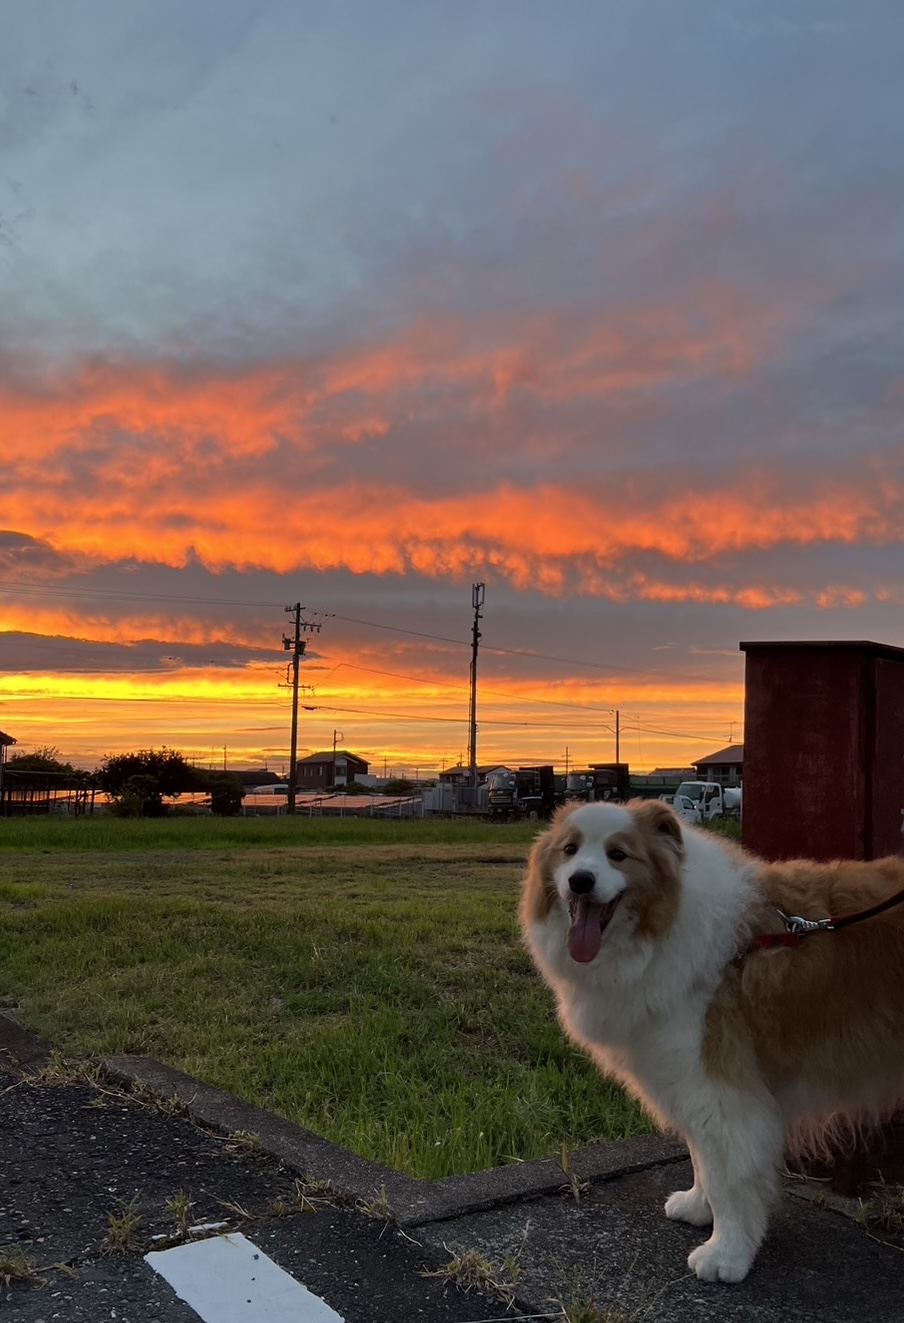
43 768
226 793
139 782
43 759
400 786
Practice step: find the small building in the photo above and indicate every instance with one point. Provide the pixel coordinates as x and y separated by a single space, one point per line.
824 721
257 777
5 742
322 771
460 775
726 766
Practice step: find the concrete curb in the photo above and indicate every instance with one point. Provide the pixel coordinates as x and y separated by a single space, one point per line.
20 1046
410 1202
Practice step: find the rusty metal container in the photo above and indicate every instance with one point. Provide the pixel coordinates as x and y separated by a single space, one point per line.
823 750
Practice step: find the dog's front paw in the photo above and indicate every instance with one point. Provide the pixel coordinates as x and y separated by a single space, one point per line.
689 1206
721 1259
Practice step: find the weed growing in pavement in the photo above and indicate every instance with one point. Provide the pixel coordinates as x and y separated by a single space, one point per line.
312 1194
121 1227
179 1207
587 1311
472 1271
376 1207
242 1144
309 1197
237 1211
883 1213
57 1071
573 1187
140 1095
16 1266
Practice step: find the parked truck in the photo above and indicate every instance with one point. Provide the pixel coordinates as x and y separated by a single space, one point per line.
600 782
704 801
526 792
615 781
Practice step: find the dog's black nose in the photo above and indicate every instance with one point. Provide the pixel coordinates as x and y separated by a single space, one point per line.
582 881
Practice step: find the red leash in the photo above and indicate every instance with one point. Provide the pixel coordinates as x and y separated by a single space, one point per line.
796 928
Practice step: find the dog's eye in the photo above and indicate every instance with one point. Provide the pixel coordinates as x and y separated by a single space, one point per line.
570 848
616 855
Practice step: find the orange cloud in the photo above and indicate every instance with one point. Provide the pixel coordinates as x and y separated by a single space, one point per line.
244 467
154 419
551 538
97 625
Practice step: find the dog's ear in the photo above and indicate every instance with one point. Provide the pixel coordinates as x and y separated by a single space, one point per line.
538 886
563 811
660 821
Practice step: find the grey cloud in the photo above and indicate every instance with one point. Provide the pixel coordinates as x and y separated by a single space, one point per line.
32 558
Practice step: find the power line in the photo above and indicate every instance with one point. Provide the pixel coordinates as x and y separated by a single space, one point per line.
17 586
406 716
460 688
14 694
677 734
69 591
524 652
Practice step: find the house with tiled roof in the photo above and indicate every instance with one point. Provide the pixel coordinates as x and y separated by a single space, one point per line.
320 771
726 766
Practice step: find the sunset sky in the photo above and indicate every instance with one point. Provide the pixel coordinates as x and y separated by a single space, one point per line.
358 302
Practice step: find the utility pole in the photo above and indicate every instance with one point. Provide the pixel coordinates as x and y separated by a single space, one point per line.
617 736
337 734
296 645
478 592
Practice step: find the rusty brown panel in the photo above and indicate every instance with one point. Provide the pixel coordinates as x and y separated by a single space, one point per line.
887 760
808 739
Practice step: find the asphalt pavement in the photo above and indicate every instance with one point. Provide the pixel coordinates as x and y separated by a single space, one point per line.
131 1192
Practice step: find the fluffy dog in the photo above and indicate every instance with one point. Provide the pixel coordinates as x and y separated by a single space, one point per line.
643 927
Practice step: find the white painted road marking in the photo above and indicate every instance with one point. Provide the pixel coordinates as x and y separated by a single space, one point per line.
229 1280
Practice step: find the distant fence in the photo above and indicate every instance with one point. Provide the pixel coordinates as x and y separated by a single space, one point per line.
335 806
28 793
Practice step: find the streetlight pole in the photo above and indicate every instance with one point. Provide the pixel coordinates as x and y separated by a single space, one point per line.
336 734
296 645
478 592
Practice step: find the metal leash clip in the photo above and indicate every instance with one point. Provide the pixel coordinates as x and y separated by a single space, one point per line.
800 927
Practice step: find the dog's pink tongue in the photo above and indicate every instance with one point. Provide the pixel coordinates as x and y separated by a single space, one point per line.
585 934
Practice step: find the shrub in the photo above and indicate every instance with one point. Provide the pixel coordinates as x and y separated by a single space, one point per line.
138 782
226 794
399 785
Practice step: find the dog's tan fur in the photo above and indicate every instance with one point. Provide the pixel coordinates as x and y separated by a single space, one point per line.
828 1015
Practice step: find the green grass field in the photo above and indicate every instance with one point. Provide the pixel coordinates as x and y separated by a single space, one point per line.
363 978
